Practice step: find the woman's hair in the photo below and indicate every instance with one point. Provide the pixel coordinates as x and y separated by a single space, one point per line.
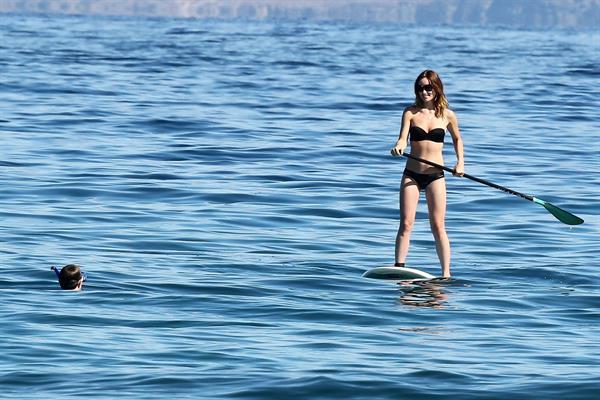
70 275
440 103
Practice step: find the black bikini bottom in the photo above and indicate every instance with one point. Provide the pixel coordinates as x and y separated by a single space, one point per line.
423 180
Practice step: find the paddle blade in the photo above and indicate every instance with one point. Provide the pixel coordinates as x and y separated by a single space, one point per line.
560 214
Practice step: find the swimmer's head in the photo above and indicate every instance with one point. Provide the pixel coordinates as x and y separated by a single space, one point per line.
70 277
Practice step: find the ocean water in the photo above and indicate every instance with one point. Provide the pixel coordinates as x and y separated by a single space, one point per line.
225 185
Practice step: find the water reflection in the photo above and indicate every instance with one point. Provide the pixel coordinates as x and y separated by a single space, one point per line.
424 293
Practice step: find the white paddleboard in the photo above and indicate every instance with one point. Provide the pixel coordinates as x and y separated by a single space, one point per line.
398 274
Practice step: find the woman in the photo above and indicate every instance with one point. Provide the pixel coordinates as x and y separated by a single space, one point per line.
426 121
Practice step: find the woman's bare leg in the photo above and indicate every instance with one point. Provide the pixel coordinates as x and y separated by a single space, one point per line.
409 198
436 203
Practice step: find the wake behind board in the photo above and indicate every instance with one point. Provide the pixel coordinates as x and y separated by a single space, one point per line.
398 274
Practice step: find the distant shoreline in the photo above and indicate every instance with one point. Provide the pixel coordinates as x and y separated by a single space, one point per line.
583 14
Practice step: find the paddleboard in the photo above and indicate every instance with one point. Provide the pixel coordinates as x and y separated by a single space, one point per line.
398 274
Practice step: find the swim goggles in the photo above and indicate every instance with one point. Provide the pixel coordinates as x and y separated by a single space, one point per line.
57 272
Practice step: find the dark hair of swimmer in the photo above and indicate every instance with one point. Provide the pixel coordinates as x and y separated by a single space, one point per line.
70 277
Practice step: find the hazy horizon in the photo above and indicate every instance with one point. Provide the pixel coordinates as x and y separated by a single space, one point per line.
511 13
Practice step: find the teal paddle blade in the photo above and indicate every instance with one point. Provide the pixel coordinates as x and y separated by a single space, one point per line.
560 214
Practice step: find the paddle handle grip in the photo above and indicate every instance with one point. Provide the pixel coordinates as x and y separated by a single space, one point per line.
471 177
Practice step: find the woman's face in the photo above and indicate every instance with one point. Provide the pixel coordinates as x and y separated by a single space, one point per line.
425 90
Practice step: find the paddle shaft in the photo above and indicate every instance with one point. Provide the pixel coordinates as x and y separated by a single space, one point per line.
471 177
560 214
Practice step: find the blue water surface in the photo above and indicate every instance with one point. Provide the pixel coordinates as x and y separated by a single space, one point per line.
225 185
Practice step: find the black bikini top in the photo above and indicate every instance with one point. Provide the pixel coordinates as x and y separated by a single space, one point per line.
435 135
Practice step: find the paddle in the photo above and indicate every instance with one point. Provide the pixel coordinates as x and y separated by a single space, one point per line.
560 214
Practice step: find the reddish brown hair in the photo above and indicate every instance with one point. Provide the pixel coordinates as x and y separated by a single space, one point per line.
440 103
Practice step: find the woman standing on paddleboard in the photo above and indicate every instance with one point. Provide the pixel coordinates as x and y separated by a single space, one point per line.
424 124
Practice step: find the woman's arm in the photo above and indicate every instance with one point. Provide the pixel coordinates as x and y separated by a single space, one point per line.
458 143
402 141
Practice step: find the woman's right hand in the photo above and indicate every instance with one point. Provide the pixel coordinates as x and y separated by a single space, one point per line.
398 148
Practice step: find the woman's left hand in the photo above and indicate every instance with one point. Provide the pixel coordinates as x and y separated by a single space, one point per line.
459 169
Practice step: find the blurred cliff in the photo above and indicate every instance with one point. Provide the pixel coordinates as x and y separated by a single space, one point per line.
510 13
